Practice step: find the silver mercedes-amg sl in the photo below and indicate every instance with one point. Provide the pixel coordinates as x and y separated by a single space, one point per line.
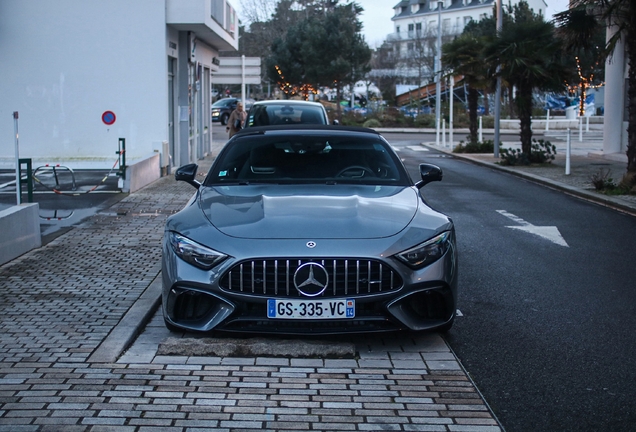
308 230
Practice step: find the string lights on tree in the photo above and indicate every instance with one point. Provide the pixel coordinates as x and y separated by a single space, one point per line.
582 87
292 89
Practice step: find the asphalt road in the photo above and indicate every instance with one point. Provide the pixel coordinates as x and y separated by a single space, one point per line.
547 324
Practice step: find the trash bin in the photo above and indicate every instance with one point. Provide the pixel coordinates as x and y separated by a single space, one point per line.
570 112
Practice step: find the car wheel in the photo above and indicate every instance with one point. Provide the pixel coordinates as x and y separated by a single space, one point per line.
224 119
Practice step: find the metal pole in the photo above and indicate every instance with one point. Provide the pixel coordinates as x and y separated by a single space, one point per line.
444 132
567 152
547 121
243 80
450 109
580 129
587 123
18 186
438 72
498 91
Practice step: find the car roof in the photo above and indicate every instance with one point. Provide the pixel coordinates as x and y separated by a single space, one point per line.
304 128
287 102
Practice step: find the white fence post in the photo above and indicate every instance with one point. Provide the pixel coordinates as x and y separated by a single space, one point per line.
481 131
567 152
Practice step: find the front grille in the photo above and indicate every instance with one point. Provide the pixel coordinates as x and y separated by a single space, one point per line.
275 277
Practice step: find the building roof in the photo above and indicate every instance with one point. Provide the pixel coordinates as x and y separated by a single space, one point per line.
430 6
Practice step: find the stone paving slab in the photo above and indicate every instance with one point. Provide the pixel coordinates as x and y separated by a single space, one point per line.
398 381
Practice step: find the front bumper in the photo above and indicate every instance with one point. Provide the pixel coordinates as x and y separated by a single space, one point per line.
197 300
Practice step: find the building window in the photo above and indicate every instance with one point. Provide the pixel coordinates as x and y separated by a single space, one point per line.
446 25
410 46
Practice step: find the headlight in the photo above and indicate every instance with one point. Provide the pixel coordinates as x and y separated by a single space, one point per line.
426 253
194 253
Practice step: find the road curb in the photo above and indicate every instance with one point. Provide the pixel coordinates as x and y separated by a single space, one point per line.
127 330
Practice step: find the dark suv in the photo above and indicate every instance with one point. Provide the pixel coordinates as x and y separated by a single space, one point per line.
222 109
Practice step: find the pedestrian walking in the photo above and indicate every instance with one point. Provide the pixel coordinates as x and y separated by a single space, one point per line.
237 120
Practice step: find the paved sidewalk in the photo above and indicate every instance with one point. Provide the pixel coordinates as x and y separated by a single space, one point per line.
69 309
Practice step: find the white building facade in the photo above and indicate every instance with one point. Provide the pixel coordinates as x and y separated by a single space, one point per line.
83 75
416 21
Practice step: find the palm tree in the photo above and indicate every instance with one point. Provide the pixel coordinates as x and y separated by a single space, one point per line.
580 23
464 56
531 58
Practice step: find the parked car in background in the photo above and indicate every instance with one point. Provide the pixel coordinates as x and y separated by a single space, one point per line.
308 229
222 108
286 112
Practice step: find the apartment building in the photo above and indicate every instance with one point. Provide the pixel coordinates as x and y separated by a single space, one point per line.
416 24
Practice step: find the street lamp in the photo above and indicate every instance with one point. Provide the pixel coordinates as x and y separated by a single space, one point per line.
438 72
498 91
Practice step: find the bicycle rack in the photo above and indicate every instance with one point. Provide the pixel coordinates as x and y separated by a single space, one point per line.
54 168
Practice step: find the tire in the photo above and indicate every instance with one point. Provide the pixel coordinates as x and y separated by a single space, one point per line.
224 119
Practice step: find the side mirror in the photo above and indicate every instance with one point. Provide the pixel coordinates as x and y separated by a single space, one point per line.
429 173
188 173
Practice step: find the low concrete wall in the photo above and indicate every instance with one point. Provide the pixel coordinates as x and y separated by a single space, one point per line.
19 231
141 174
559 123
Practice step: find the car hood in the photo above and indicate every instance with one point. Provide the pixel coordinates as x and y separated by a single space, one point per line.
309 211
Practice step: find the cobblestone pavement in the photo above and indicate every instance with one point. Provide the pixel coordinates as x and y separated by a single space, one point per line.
63 304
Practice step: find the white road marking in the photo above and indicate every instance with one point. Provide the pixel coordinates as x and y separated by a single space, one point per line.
417 148
458 313
547 232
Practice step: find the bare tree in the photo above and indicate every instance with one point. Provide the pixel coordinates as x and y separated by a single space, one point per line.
257 10
420 55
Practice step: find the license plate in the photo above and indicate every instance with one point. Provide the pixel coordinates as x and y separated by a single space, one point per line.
311 309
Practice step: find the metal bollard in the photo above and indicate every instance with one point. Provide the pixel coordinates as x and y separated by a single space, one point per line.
29 178
122 158
568 150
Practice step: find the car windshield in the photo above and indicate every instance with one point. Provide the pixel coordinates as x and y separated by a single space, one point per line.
308 158
285 114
